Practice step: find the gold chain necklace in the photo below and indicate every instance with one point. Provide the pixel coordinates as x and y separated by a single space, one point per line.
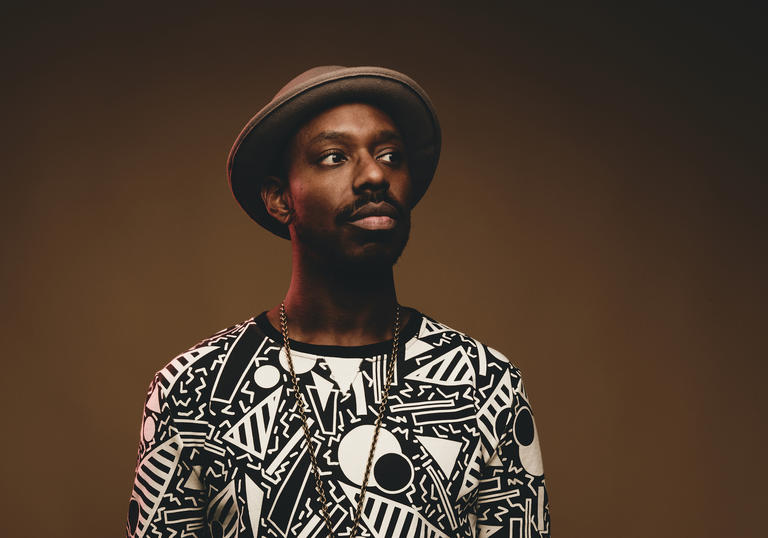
382 407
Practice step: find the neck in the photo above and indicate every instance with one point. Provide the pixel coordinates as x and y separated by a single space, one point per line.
333 306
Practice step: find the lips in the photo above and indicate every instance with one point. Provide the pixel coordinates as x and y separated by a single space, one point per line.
375 216
380 209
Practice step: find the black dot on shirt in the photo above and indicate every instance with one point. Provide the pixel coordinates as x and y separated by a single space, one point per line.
524 431
133 515
392 472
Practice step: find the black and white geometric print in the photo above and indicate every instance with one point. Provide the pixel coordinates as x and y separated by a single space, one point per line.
222 451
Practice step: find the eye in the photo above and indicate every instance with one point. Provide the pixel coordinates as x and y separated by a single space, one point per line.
393 157
332 157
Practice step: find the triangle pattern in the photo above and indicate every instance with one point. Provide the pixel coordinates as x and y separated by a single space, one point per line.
385 517
416 347
251 433
428 328
483 531
443 451
193 482
153 403
255 497
452 368
472 476
224 509
324 388
147 470
343 371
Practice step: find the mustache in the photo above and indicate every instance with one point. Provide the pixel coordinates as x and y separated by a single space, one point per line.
368 198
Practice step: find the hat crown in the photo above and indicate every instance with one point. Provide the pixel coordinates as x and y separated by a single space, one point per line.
309 74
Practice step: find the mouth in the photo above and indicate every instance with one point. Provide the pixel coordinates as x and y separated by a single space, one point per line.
375 216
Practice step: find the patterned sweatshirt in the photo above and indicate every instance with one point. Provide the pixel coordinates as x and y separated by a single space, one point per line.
222 451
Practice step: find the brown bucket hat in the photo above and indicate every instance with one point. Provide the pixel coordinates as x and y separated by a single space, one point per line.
255 152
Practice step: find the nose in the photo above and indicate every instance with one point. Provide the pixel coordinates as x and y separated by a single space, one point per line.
370 174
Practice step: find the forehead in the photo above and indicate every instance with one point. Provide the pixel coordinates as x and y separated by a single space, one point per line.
353 119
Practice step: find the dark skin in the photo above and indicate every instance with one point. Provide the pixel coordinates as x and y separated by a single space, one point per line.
346 200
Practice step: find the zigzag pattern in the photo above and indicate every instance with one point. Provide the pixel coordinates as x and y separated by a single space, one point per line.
223 451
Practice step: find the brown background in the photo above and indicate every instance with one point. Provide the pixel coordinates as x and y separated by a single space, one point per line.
598 215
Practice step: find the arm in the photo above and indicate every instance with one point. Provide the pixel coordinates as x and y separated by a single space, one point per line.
512 494
168 496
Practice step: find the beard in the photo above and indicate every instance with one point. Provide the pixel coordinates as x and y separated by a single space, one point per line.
352 253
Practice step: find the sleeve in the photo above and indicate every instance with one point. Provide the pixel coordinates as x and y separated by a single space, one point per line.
512 494
168 496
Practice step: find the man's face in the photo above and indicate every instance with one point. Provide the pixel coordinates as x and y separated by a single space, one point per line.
350 187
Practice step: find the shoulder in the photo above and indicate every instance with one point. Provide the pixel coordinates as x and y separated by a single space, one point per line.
472 358
442 355
200 358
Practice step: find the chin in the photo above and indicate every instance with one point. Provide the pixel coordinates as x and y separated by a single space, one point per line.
358 253
372 260
372 255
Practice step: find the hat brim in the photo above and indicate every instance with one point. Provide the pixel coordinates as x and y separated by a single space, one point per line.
264 136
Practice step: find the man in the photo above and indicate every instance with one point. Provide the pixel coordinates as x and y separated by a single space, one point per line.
339 412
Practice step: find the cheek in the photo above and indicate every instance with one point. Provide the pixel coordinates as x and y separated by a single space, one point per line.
313 204
403 189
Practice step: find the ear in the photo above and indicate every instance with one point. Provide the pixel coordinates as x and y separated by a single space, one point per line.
277 199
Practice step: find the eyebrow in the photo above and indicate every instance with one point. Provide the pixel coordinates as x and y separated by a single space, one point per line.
384 135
